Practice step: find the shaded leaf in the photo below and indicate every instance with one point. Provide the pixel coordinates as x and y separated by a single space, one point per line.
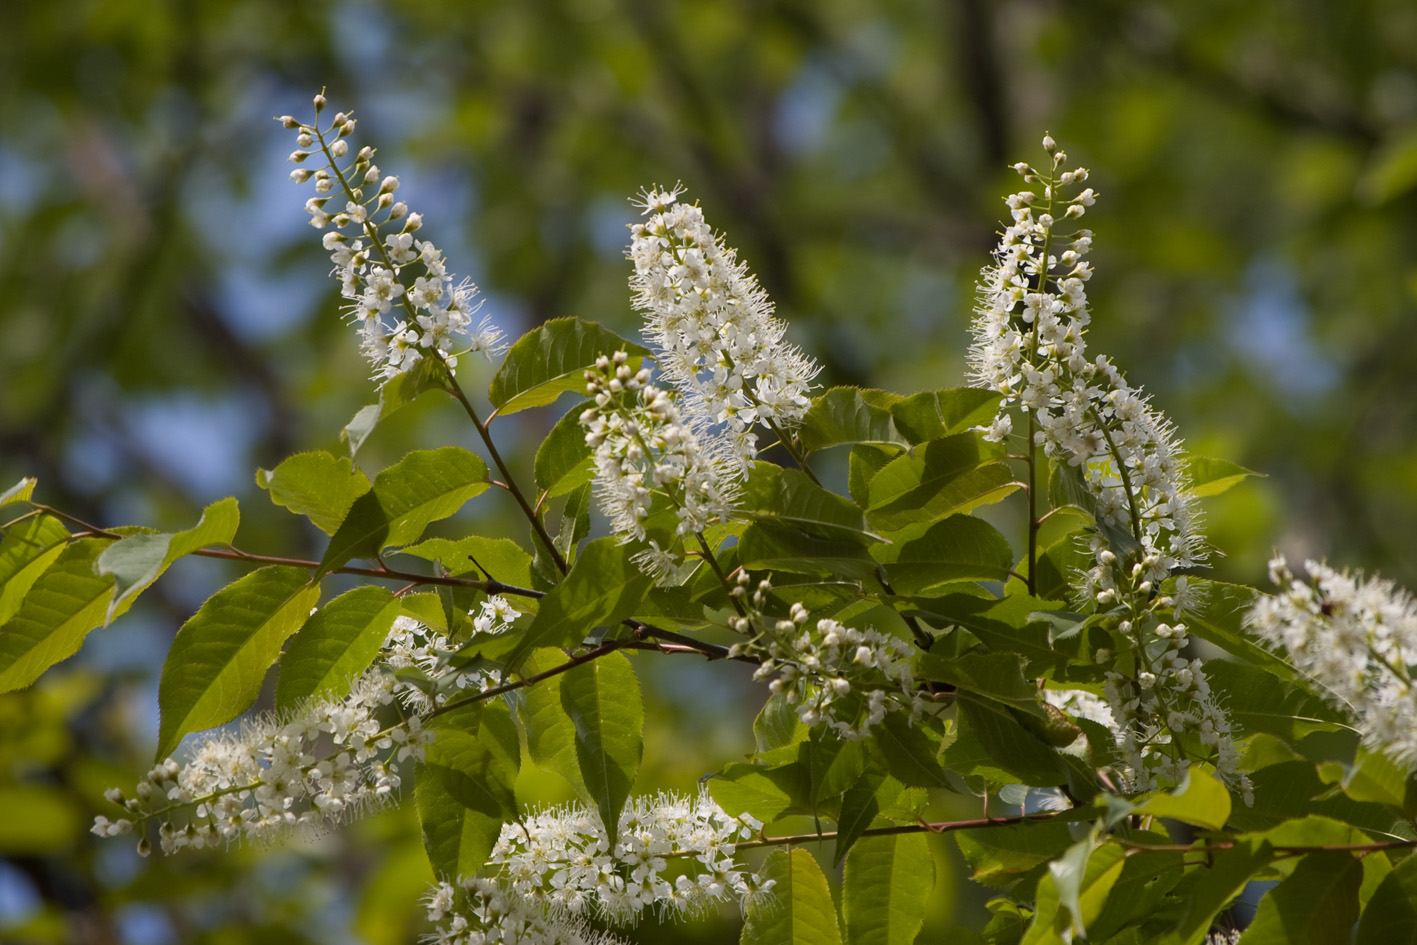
1316 905
458 839
564 460
933 415
476 755
954 549
848 415
603 587
602 698
1391 915
550 733
421 488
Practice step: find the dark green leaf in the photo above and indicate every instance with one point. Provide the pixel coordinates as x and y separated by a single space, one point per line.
214 670
996 675
832 764
552 359
603 587
908 753
602 697
1258 701
1219 618
862 465
458 839
872 792
848 415
475 754
772 545
933 415
1316 905
550 733
885 889
316 485
1008 744
1391 915
1000 855
789 497
337 643
944 477
954 549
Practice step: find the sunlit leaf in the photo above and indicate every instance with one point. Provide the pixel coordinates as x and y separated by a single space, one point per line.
317 485
886 888
138 560
800 911
335 645
214 670
552 359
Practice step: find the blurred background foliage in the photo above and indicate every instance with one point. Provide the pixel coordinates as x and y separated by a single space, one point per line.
167 326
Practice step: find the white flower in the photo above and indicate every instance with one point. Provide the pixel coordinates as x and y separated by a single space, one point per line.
713 327
433 316
1357 638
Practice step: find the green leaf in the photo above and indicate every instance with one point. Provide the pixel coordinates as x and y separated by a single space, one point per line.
564 460
550 733
62 606
777 724
944 477
800 911
602 588
1316 905
790 498
21 491
1391 915
832 764
908 753
1392 169
1000 855
996 675
862 465
933 415
848 415
1219 619
337 643
501 558
214 670
872 792
458 839
316 485
1259 701
885 888
1073 892
476 755
761 792
1008 744
1210 477
1145 881
1292 789
421 488
138 560
26 552
1199 800
552 359
602 697
1008 625
772 545
954 549
1205 892
429 374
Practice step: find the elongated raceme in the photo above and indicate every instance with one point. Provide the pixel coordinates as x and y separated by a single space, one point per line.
713 328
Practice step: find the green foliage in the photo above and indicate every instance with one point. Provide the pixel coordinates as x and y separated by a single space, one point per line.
602 699
214 670
801 912
550 360
335 645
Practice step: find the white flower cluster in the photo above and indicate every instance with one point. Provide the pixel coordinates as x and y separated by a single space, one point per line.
1029 346
327 761
377 260
411 644
1166 715
643 449
1356 637
713 326
480 911
828 672
561 863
